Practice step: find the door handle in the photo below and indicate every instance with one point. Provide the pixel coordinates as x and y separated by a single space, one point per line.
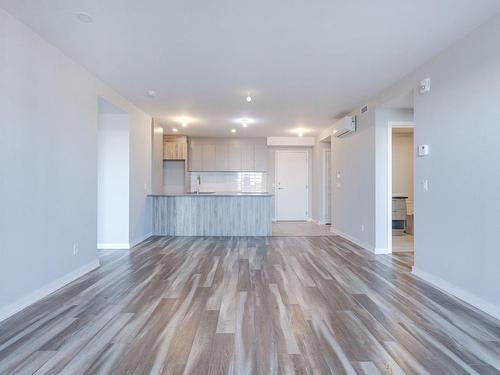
280 188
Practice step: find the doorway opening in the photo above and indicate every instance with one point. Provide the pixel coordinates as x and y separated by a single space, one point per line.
395 157
401 143
291 182
112 177
327 185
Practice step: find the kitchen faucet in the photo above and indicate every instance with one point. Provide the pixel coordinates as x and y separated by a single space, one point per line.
198 180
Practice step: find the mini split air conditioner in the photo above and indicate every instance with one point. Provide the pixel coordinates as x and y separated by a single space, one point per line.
345 126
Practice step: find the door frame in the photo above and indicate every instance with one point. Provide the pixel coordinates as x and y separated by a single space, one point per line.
276 169
323 189
394 125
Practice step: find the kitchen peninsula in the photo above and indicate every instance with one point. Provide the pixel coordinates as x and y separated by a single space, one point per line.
212 214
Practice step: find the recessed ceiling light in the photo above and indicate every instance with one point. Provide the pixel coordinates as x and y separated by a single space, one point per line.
84 17
300 134
245 121
233 130
249 98
151 93
184 124
175 130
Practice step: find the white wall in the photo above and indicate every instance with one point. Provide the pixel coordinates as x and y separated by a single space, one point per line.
402 164
318 201
456 225
156 157
48 164
113 181
353 194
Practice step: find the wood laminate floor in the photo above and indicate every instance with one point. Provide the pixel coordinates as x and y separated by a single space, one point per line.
300 229
403 243
306 305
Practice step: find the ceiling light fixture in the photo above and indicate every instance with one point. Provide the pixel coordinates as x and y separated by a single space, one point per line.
184 125
300 134
233 130
84 17
151 93
175 130
249 98
245 121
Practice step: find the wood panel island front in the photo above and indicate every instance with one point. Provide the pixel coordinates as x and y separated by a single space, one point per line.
212 214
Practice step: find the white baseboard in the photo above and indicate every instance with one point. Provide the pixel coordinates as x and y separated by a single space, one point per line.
382 250
353 239
140 239
29 299
113 246
458 292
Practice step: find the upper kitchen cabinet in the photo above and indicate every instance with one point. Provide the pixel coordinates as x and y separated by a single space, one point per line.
221 157
175 147
247 157
233 157
228 155
260 158
195 157
208 155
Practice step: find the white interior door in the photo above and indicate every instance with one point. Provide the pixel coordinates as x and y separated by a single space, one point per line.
328 187
291 185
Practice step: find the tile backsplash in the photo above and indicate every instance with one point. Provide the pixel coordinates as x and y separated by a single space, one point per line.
230 181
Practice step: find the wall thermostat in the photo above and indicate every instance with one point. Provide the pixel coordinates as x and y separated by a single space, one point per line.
425 86
423 150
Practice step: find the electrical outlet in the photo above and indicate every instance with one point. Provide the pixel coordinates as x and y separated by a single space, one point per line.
75 248
425 185
362 227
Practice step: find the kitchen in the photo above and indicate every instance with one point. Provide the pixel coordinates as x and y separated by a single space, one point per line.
210 186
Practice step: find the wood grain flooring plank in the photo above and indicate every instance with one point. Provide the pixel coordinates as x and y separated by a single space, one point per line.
250 305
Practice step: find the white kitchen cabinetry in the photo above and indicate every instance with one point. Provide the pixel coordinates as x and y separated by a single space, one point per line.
233 157
228 155
195 158
247 157
208 153
221 157
260 159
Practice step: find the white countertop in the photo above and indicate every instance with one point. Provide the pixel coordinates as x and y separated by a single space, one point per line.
212 194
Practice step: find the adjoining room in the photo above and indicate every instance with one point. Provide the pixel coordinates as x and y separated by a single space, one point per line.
402 189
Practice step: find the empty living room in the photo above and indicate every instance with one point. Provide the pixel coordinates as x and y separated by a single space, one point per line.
249 187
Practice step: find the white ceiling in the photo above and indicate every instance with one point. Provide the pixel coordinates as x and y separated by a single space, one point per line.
305 62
